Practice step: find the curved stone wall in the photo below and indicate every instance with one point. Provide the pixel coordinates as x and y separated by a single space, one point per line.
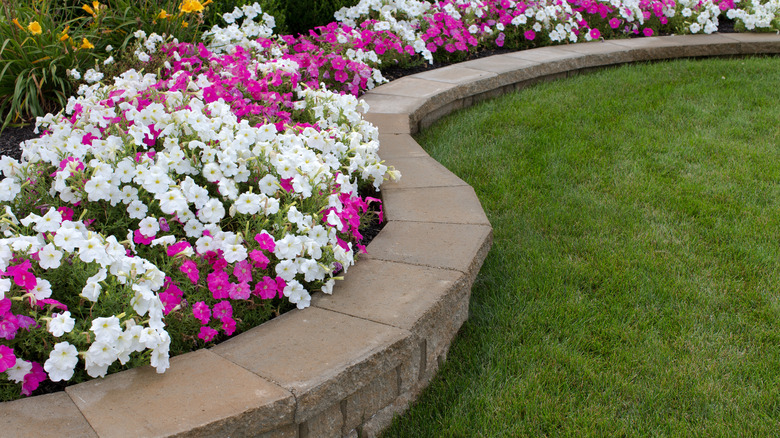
348 364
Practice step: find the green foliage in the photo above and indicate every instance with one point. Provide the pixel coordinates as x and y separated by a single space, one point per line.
74 36
302 15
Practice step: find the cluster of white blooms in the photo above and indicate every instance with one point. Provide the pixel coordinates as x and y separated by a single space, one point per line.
756 15
223 39
134 276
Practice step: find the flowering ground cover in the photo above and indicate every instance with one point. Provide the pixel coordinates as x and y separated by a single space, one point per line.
213 184
632 286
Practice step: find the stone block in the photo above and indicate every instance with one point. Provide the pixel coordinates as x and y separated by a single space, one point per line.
399 146
370 399
421 172
319 355
413 87
449 246
288 431
43 415
385 104
756 43
454 205
328 423
201 394
392 123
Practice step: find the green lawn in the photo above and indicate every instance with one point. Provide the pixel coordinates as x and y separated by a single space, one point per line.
633 287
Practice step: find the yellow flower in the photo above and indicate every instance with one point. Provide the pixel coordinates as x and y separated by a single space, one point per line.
96 5
85 44
16 22
190 6
34 28
89 10
64 36
185 24
162 14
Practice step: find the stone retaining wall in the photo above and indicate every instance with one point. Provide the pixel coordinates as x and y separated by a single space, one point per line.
348 364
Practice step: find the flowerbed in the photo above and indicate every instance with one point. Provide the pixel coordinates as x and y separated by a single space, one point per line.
201 199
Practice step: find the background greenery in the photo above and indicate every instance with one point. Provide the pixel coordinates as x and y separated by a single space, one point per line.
632 288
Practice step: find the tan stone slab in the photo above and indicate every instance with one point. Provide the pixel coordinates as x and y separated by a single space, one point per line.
449 246
679 46
319 355
385 104
398 146
545 54
392 123
454 205
201 394
755 43
421 172
413 87
454 74
401 294
498 64
42 416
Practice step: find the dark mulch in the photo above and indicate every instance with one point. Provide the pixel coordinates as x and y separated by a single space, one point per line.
11 137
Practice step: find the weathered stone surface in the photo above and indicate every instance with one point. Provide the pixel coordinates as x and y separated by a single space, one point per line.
392 123
421 172
367 401
413 87
449 246
288 431
455 205
201 394
42 416
319 355
401 294
328 423
399 146
385 104
454 74
757 43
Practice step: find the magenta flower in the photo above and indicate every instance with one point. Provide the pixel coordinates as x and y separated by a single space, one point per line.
266 241
190 269
257 256
140 238
67 213
22 276
7 358
223 310
201 312
8 327
228 326
219 284
595 33
529 35
177 247
243 271
33 379
266 288
240 291
647 32
614 23
207 333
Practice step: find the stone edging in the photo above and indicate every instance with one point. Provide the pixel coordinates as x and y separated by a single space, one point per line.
349 363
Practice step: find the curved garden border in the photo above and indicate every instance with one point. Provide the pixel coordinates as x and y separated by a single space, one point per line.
349 363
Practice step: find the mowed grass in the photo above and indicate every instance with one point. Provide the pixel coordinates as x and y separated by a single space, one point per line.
633 287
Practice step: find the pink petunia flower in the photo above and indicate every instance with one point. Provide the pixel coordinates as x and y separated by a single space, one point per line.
207 333
222 310
201 312
190 269
529 35
33 379
7 358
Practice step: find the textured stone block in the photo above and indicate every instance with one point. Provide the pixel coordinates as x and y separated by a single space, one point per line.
201 394
392 123
43 415
399 146
757 43
448 246
368 400
320 356
421 172
455 205
328 423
